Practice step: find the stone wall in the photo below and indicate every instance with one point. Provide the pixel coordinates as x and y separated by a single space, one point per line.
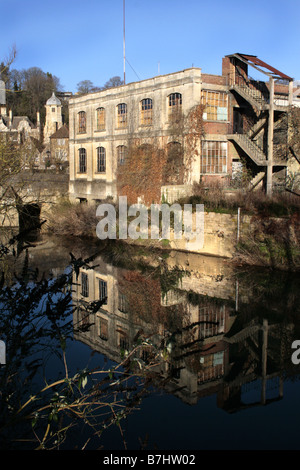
42 188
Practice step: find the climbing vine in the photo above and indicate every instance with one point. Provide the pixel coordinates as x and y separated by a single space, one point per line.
153 162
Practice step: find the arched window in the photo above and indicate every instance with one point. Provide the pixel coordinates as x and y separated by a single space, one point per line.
146 112
121 154
81 122
82 160
101 160
100 122
175 105
122 115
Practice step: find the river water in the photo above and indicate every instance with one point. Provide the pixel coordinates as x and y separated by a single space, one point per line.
195 354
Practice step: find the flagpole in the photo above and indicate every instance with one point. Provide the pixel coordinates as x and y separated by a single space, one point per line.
124 37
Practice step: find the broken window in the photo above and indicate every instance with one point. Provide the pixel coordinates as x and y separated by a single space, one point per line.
101 160
216 105
214 157
100 119
146 112
122 115
121 151
81 122
175 105
82 160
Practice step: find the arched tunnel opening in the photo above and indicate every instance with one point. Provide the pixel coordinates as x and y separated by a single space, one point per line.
29 217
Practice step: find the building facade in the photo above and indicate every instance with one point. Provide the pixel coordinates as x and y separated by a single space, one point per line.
238 120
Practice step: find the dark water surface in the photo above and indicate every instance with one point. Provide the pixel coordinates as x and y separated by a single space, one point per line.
212 367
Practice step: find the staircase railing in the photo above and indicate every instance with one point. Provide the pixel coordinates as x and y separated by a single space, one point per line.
253 150
254 89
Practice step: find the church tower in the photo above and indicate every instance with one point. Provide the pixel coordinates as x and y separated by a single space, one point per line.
53 117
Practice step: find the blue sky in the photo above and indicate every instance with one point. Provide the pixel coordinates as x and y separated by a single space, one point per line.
83 39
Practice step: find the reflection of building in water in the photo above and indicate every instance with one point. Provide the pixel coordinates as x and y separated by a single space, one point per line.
210 349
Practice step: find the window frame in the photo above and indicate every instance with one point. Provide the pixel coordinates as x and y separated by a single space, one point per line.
84 285
101 155
121 115
102 286
146 112
174 104
103 332
212 100
82 161
100 119
82 122
121 152
215 157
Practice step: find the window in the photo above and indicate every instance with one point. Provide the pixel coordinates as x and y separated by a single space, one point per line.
174 169
53 110
81 122
146 112
123 340
175 105
121 153
84 285
215 105
214 157
100 112
123 306
82 160
103 328
122 115
101 160
103 291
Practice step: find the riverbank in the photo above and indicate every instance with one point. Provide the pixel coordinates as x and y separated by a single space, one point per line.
244 239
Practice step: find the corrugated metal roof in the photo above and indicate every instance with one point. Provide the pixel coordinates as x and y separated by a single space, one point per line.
258 63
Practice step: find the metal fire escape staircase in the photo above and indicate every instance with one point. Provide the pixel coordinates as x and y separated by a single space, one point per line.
255 93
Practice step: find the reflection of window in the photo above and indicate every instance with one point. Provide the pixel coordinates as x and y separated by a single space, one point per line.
103 328
82 160
123 307
101 163
146 112
83 318
121 150
84 285
175 104
100 119
103 291
122 115
214 157
211 321
123 340
215 105
81 122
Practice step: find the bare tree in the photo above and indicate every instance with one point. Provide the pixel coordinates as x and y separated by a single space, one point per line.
112 83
